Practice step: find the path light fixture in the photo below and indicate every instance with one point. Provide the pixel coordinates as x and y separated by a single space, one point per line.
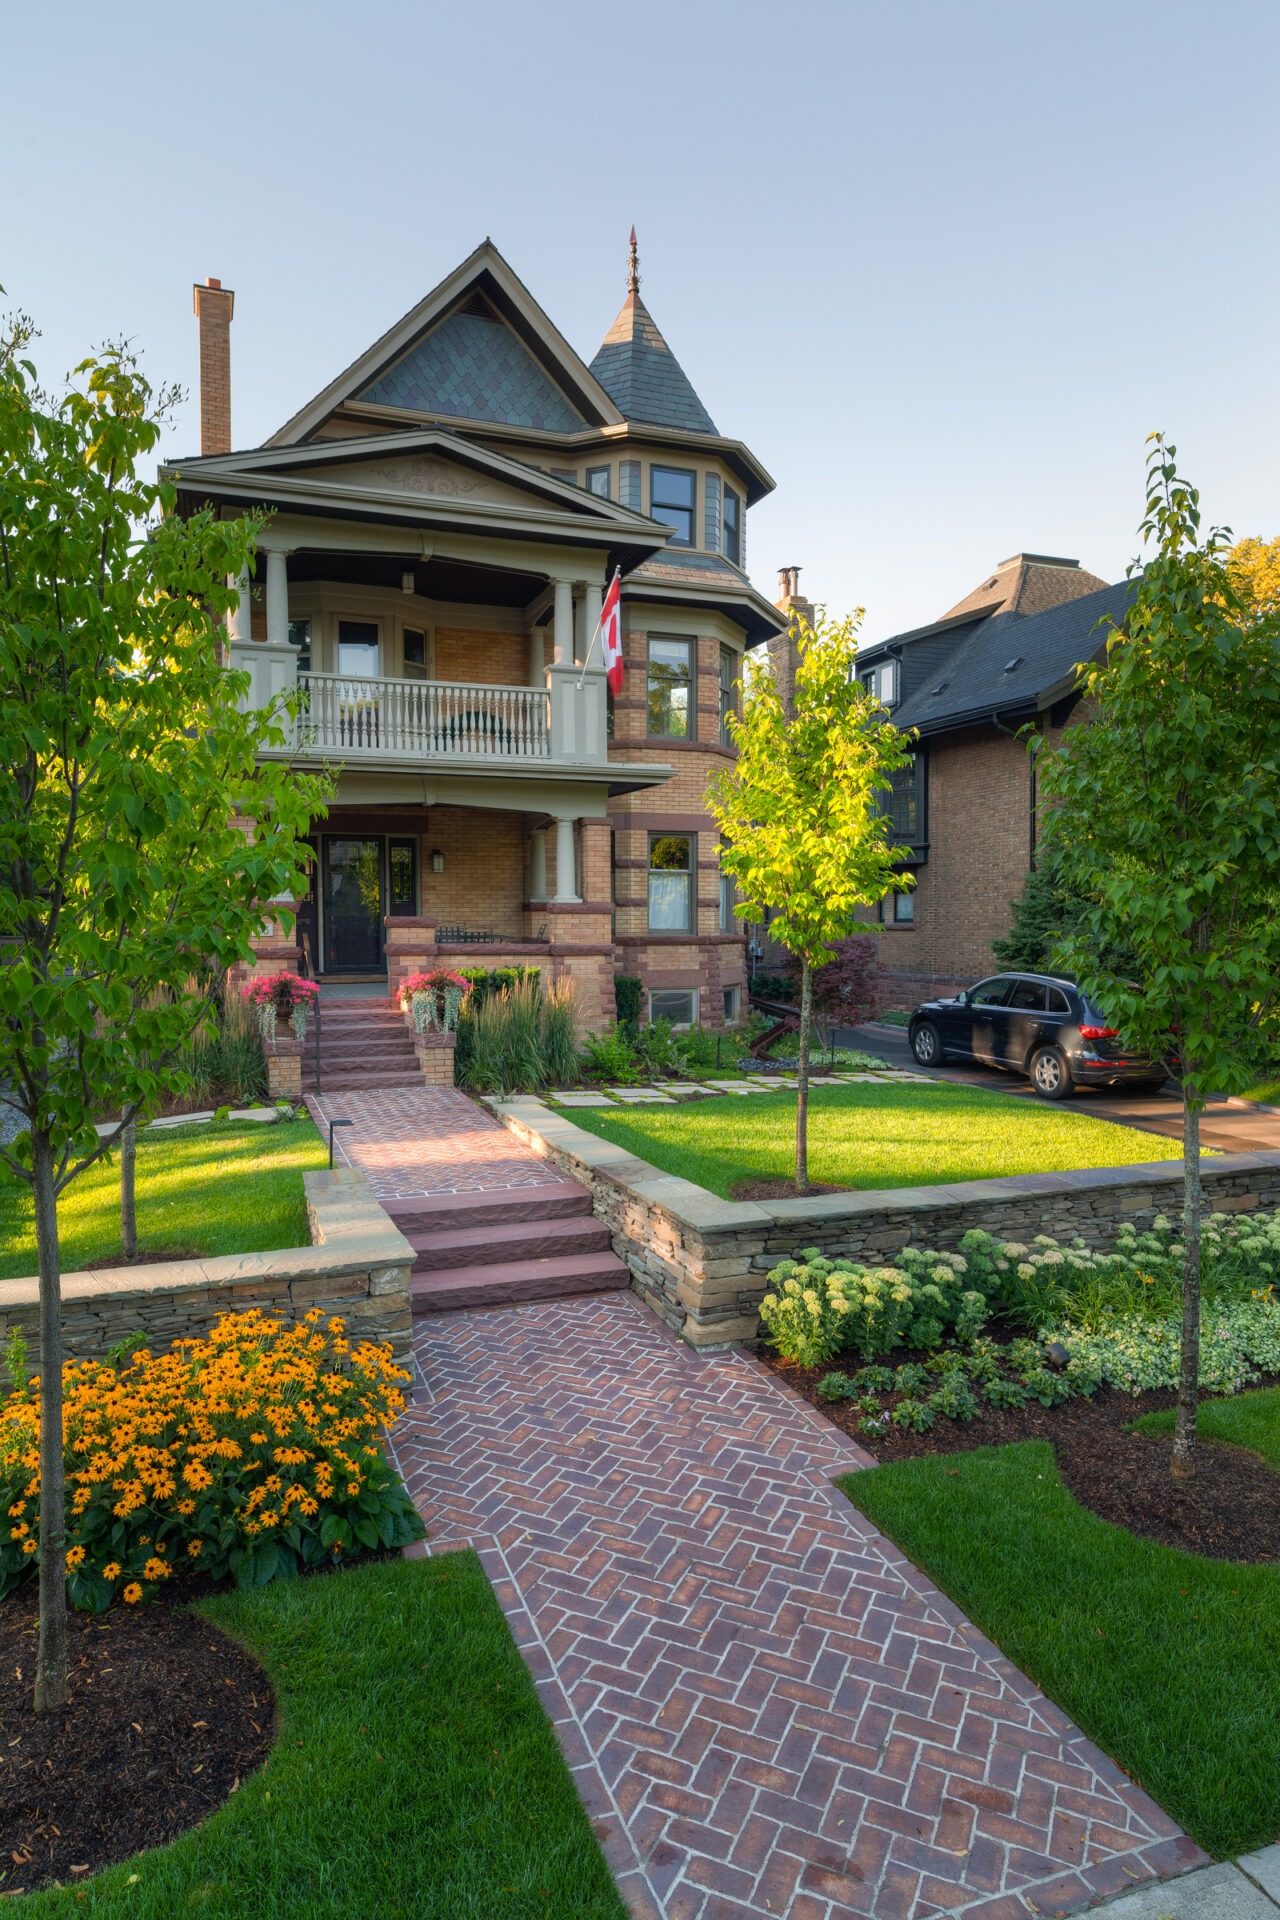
332 1125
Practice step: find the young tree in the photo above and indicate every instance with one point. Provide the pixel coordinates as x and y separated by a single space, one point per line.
1164 818
139 838
801 814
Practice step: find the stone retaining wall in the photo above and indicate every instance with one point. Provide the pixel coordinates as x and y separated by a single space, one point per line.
357 1265
701 1262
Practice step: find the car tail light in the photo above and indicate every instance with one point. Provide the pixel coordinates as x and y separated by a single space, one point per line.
1099 1033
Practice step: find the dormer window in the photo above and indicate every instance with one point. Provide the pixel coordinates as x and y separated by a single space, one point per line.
881 682
672 498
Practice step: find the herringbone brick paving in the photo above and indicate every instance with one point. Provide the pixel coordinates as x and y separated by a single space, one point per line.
767 1709
427 1140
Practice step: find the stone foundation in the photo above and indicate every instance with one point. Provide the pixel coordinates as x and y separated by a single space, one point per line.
701 1263
358 1266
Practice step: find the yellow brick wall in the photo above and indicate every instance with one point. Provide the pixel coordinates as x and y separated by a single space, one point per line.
493 659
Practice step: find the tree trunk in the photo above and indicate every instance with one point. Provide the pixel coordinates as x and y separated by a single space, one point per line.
1183 1464
802 1074
128 1191
51 1657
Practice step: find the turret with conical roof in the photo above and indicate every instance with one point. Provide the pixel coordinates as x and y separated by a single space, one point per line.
638 370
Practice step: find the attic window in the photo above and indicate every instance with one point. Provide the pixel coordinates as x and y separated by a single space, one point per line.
1011 666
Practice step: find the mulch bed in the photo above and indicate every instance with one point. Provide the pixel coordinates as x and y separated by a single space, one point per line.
166 1718
146 1259
765 1188
1230 1511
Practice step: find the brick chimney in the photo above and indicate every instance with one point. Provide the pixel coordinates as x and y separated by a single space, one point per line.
782 648
214 305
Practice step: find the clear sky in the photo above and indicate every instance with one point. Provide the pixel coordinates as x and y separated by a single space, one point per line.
942 264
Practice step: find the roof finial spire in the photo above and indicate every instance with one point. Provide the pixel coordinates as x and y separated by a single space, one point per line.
633 266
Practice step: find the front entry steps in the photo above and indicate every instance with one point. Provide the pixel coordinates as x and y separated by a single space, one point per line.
364 1045
498 1248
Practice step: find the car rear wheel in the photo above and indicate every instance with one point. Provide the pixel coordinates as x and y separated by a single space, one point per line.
926 1044
1050 1074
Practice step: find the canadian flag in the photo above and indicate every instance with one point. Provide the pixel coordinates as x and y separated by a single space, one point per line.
611 632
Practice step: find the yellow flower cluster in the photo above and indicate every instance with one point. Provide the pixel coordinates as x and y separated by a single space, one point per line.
240 1451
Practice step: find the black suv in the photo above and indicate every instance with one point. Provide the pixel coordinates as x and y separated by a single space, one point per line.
1032 1023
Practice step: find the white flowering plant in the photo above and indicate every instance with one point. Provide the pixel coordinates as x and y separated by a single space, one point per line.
1055 1285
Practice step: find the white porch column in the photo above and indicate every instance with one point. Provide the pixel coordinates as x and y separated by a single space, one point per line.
566 891
564 622
277 598
588 615
538 874
239 625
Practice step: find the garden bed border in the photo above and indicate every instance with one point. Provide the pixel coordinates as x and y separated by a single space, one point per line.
701 1262
357 1265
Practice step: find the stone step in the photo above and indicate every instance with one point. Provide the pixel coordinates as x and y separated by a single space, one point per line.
363 1079
522 1240
503 1283
349 1054
454 1212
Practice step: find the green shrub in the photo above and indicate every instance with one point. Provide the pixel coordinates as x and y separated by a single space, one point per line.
699 1050
628 994
657 1049
955 1398
837 1386
611 1057
1005 1393
824 1307
917 1416
488 981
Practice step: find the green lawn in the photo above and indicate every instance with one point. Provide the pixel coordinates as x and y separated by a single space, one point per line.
864 1135
1249 1420
414 1773
1267 1093
1169 1661
225 1187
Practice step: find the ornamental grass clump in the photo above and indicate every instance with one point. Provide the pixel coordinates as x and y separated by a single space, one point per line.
254 1454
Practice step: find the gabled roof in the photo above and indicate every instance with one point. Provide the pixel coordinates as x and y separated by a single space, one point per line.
640 373
478 347
1011 662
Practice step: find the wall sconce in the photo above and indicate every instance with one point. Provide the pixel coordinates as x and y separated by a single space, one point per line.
437 860
407 581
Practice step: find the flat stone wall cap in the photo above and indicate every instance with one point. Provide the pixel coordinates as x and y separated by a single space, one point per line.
708 1213
229 1269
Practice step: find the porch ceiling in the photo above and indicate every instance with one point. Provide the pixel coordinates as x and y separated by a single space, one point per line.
453 581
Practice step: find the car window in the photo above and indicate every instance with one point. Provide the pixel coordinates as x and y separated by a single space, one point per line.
990 993
1058 1002
1028 996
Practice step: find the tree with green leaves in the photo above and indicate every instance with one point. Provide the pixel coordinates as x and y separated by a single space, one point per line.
801 813
1164 817
140 838
1047 916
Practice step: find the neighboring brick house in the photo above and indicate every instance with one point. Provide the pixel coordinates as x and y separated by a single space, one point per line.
1001 660
445 518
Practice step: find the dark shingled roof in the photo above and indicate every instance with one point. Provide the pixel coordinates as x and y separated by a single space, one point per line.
642 376
977 678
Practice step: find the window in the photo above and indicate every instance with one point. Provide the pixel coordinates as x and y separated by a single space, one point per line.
990 993
881 682
415 653
679 1006
402 877
732 1004
569 474
903 801
1058 1002
300 637
898 909
728 692
670 688
732 527
671 500
598 479
670 883
1027 996
358 648
729 921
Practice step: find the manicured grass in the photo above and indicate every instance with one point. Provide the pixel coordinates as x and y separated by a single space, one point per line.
868 1135
414 1773
1249 1420
1169 1661
1267 1093
225 1187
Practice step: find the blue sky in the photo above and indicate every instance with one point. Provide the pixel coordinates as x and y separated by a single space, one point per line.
943 266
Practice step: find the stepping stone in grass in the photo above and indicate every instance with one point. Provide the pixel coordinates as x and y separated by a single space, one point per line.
265 1116
581 1099
635 1096
179 1120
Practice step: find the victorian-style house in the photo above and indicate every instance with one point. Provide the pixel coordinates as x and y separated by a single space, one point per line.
445 517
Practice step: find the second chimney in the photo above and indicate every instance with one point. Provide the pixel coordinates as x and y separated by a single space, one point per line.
782 647
214 305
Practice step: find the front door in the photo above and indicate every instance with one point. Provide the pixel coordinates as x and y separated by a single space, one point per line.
353 883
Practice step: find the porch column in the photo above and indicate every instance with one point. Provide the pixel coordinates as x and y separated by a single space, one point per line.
538 875
566 891
277 598
588 614
239 624
564 622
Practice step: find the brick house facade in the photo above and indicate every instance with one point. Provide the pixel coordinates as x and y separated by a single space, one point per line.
1001 661
445 518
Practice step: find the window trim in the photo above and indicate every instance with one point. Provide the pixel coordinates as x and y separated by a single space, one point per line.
685 473
690 645
690 875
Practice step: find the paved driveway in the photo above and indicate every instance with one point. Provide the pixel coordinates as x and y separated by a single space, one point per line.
767 1710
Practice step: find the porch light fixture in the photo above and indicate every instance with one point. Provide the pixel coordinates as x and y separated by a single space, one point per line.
332 1125
407 582
437 860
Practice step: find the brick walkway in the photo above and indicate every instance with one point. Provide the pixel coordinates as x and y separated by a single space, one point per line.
427 1140
767 1710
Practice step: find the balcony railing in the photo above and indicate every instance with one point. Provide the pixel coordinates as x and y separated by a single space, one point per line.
421 719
